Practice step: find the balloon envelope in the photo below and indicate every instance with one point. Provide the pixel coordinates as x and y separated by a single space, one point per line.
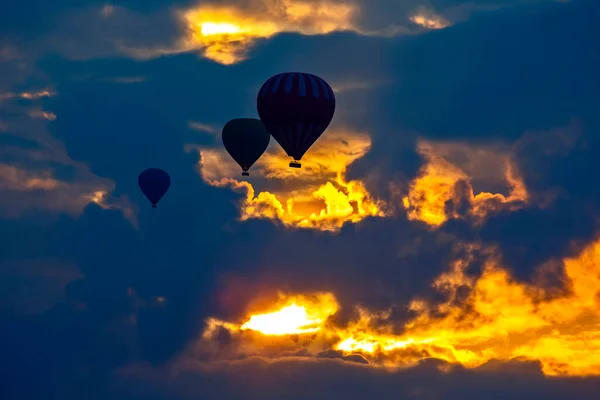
245 139
154 183
296 108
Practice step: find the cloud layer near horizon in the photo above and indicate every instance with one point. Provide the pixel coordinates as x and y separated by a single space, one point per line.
440 241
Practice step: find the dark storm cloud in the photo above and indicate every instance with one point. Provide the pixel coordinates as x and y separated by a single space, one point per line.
33 18
499 74
326 379
170 256
507 76
35 285
494 77
560 159
380 264
114 313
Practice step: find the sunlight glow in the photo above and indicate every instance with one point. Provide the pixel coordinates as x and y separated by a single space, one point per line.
505 319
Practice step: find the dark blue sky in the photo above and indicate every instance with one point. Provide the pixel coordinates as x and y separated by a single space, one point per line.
453 198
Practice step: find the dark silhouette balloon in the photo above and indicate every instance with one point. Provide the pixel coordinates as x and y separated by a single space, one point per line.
154 183
245 139
296 108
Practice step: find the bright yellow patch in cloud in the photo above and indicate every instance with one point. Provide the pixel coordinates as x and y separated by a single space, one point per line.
291 319
295 319
210 29
438 183
316 196
500 319
226 34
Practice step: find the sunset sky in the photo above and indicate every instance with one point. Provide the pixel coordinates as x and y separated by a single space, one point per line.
440 242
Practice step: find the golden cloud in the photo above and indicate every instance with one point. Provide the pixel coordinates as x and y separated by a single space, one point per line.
316 196
500 319
225 34
458 180
447 179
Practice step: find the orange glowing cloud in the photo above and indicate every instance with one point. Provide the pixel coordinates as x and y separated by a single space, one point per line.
428 19
450 165
225 34
316 196
500 319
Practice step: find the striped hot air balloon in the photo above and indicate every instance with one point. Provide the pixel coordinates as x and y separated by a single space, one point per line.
296 108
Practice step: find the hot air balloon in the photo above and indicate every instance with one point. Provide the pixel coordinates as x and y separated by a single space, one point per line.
154 183
245 139
296 108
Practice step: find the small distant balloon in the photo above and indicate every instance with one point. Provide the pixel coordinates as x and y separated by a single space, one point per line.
245 139
154 183
296 108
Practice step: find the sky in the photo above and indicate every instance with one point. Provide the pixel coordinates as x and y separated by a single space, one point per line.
440 242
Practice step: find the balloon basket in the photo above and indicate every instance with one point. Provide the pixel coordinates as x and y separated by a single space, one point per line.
245 173
295 164
153 205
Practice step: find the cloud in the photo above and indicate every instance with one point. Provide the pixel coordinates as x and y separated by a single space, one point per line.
32 162
207 128
452 102
27 95
442 190
315 196
34 286
430 20
126 79
226 32
298 378
222 33
447 179
488 318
